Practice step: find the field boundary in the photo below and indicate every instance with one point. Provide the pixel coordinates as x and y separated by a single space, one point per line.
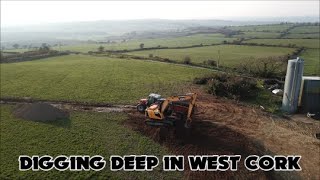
239 42
222 69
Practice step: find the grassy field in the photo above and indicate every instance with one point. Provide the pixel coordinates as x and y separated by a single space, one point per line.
301 36
306 29
18 50
4 54
93 79
271 28
205 39
308 43
230 55
311 62
82 134
258 35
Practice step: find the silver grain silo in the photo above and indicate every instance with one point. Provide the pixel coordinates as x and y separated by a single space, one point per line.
292 85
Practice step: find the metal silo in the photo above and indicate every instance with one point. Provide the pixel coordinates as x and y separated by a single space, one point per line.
292 85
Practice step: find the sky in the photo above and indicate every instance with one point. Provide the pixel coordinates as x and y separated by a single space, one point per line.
17 13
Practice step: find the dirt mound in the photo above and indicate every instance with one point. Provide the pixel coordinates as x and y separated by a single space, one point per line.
39 112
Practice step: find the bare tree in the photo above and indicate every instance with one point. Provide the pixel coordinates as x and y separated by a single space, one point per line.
264 67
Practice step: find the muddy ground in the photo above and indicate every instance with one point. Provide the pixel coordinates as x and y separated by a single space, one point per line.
39 112
222 126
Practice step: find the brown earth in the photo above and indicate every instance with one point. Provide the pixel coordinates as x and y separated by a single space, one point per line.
39 112
223 126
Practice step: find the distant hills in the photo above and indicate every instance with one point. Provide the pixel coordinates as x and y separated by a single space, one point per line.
125 26
72 32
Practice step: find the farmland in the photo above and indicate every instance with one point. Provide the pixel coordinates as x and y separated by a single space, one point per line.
308 43
205 39
259 28
302 36
230 55
260 35
83 133
120 81
305 29
92 79
17 50
312 62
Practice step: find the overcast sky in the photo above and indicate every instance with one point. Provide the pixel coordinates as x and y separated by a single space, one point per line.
36 12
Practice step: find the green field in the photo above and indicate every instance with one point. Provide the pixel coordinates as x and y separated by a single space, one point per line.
311 62
306 29
93 79
230 55
301 36
205 39
308 43
17 50
271 27
6 54
82 134
258 35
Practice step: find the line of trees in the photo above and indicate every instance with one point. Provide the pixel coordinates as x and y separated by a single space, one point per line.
43 47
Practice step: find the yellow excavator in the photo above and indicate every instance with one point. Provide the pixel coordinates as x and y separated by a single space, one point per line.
171 110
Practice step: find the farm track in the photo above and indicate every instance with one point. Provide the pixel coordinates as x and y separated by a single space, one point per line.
72 106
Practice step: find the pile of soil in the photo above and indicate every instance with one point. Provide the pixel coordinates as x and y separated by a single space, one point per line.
39 112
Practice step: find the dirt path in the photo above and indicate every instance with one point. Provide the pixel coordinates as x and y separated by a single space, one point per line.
73 106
